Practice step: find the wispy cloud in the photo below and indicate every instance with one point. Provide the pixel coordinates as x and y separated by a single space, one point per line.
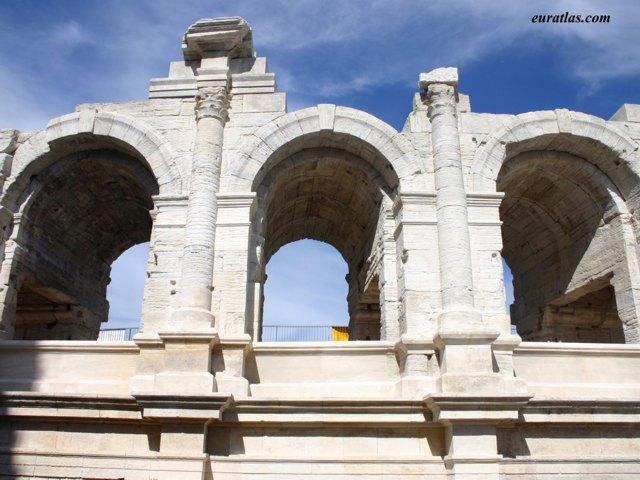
383 42
321 51
69 34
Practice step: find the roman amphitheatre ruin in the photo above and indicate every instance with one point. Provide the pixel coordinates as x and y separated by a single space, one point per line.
217 175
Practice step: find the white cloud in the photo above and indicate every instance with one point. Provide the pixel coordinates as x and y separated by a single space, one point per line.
21 107
69 34
320 51
386 42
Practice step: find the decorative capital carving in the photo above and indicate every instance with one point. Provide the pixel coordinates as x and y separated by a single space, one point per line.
441 98
212 102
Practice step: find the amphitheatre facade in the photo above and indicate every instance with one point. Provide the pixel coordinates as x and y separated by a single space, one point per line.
215 173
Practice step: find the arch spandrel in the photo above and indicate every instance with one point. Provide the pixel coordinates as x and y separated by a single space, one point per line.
579 134
76 131
354 131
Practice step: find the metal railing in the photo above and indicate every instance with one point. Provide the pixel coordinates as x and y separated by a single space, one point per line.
270 333
304 333
117 334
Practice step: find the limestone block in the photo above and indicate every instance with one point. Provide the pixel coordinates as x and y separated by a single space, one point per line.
326 116
464 103
256 65
252 119
628 112
482 123
275 102
8 141
446 75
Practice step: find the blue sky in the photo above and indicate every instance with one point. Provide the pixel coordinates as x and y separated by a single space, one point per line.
365 54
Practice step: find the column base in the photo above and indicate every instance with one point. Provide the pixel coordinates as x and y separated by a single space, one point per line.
175 362
190 318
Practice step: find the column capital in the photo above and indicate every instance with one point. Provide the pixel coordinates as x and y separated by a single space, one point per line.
440 86
441 99
212 102
439 76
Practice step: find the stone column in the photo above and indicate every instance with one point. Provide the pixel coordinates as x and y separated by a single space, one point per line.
186 342
464 341
468 378
451 199
196 282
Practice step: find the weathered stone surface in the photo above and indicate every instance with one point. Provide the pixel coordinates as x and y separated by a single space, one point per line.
217 176
444 75
627 113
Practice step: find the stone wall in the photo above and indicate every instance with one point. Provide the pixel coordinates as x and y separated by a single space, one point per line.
217 175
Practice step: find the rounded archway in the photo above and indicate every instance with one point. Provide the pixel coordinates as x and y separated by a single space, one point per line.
561 217
78 215
333 196
582 206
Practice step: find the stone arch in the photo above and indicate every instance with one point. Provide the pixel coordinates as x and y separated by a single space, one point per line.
90 129
80 192
579 134
565 230
331 174
352 130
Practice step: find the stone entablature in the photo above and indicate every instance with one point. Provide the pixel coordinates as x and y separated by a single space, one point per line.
217 175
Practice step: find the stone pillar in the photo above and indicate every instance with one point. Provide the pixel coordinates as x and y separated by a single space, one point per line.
196 282
463 340
417 244
232 260
626 280
10 280
451 200
389 325
188 339
163 266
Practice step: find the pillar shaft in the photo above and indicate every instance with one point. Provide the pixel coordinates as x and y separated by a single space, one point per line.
463 339
451 203
197 262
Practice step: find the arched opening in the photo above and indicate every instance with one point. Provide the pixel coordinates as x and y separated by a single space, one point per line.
559 239
124 294
305 293
83 211
332 196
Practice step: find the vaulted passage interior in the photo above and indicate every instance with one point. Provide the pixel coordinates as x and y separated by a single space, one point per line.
331 195
84 210
560 228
